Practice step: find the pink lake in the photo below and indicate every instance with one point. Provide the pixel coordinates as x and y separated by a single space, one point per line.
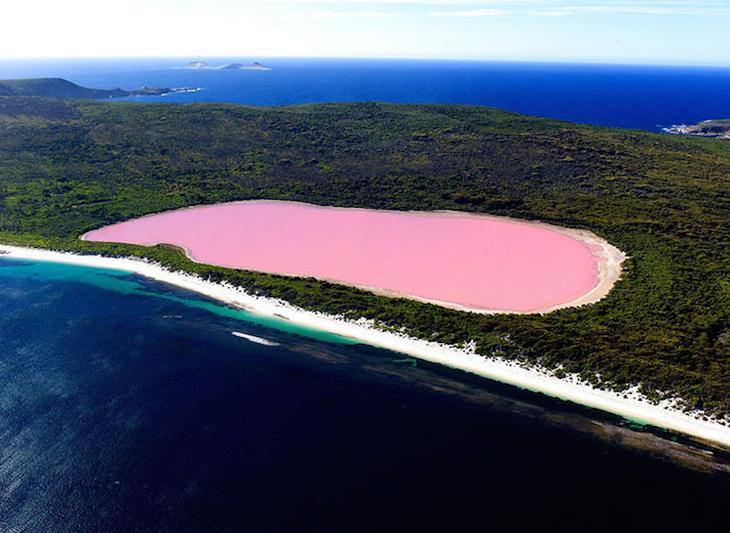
471 261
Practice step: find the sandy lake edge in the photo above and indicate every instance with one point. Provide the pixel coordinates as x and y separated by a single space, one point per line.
608 258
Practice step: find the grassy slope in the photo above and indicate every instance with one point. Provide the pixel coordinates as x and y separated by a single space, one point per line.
68 167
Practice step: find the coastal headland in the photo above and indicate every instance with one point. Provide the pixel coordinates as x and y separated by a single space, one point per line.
60 88
719 129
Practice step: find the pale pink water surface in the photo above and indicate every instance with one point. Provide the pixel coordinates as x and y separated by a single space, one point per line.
476 262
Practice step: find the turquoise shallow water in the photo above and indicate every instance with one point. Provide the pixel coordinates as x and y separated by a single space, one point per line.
127 405
124 283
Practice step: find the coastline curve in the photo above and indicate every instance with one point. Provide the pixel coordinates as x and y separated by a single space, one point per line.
632 406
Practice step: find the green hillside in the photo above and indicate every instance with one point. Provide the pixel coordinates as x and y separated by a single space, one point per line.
56 88
67 167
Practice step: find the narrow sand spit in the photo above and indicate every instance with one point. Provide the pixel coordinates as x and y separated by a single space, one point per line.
465 261
632 406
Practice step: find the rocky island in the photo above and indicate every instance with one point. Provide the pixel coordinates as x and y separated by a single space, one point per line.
242 66
160 91
202 65
197 65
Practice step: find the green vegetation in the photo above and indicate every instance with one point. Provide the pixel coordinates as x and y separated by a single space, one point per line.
54 87
67 167
60 88
711 128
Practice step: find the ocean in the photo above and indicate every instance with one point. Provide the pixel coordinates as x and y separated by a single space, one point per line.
128 405
641 97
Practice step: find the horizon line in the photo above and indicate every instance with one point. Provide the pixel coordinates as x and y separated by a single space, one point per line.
557 61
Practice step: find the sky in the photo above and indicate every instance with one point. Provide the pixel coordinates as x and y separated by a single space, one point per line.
680 32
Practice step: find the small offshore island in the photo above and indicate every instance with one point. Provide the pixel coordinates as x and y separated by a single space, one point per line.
202 65
655 348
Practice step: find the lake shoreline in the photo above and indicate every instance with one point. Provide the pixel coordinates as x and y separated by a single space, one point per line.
608 258
629 405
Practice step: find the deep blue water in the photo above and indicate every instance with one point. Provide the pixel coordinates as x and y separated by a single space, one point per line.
126 405
642 97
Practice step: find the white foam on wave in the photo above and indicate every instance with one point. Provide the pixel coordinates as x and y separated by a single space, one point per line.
254 338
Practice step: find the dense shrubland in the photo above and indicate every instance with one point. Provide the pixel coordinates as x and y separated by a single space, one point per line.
68 167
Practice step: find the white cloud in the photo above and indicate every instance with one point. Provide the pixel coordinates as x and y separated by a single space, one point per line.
466 3
315 15
571 7
488 12
648 8
654 10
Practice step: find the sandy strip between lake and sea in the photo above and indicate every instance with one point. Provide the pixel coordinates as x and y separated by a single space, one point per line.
631 405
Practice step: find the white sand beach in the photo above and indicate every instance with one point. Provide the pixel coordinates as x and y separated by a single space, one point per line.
630 405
